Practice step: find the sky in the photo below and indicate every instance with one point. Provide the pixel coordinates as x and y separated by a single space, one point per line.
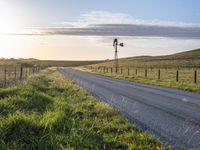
85 29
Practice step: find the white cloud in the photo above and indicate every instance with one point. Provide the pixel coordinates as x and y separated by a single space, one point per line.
99 17
102 23
105 17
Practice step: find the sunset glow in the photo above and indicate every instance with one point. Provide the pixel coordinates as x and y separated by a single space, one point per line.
34 28
9 23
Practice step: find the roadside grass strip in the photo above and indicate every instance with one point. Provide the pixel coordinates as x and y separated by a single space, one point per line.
49 111
192 87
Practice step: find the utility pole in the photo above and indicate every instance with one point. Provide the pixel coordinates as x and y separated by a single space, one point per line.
115 44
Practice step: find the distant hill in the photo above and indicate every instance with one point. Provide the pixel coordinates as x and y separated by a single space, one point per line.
45 63
56 63
13 61
188 59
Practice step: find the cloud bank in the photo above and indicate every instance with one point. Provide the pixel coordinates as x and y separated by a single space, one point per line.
104 17
101 23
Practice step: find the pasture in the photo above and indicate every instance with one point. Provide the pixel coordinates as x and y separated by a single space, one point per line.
180 70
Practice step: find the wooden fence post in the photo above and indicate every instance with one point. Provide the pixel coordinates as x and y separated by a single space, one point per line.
5 77
195 76
177 76
111 70
26 70
145 73
121 70
136 71
33 70
15 75
21 73
29 69
128 71
158 74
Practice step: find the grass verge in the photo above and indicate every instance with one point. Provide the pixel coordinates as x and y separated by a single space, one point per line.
192 87
51 112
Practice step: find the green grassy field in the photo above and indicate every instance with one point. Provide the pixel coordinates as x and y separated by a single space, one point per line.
12 67
186 63
10 75
48 111
188 59
167 77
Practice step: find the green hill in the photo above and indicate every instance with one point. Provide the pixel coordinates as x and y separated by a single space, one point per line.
188 59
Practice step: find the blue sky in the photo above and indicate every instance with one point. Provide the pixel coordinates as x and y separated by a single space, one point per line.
47 12
91 21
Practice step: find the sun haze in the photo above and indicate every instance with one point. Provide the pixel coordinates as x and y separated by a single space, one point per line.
68 31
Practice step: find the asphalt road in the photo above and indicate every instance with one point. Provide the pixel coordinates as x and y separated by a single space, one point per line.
172 115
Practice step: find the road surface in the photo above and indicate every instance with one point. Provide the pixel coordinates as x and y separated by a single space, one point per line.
172 115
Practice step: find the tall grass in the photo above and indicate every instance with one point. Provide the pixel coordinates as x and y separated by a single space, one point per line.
51 112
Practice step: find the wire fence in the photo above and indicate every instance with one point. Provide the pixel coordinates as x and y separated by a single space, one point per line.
10 74
183 75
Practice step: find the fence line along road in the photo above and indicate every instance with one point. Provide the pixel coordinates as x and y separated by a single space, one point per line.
182 75
10 74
